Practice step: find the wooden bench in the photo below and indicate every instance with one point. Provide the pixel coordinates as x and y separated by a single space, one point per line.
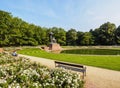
71 66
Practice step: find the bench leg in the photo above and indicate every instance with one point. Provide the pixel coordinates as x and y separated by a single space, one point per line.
83 75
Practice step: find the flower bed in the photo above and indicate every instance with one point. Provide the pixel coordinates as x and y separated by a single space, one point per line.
22 73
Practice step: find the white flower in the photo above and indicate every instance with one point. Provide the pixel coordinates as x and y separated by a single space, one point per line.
3 81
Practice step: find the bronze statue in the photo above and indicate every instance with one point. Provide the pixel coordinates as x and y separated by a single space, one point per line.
52 39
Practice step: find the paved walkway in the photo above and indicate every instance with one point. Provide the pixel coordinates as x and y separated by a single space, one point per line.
96 77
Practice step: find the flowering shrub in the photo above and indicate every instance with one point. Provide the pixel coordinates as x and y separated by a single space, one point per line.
21 73
6 59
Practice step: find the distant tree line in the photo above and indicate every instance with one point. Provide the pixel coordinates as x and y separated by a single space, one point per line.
16 32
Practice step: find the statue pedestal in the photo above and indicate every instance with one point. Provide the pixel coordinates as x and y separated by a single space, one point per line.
1 50
54 47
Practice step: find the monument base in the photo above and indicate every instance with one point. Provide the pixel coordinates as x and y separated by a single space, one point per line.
1 50
54 47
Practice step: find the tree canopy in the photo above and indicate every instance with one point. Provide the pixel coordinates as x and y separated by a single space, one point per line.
16 32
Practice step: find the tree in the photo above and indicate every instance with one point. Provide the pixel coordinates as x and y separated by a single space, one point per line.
87 39
41 35
106 34
14 32
5 23
80 37
117 35
96 34
71 37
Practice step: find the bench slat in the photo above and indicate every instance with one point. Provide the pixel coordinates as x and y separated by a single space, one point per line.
71 64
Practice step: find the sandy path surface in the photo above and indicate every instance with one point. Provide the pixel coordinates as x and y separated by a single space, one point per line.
102 78
96 77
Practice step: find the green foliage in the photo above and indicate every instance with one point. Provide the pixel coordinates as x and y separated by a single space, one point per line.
25 74
79 39
87 39
105 34
117 35
71 37
16 32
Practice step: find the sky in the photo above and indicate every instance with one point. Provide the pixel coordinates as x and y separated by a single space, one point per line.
81 15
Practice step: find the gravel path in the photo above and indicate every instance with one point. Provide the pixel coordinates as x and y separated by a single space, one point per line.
96 77
102 78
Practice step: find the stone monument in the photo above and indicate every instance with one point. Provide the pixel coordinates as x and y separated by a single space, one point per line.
53 46
1 50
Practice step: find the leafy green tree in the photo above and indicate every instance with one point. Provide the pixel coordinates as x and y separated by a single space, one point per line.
14 32
41 35
117 35
106 34
5 23
87 39
71 37
95 34
80 37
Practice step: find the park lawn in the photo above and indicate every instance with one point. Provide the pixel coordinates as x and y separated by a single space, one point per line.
103 61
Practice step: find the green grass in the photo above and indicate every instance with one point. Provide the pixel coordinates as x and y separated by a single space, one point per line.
103 61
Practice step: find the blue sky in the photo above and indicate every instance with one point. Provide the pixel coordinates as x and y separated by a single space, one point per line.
81 15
